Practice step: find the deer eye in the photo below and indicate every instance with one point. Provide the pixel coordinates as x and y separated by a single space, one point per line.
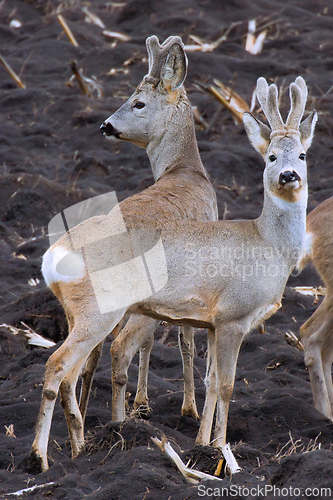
139 105
302 156
272 158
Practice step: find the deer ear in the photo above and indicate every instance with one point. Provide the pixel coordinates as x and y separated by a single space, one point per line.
306 129
174 70
257 132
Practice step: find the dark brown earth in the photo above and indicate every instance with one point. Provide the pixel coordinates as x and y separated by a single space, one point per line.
53 155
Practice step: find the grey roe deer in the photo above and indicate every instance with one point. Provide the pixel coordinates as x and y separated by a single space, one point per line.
158 117
245 290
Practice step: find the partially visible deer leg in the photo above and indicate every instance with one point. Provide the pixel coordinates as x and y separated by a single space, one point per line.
186 345
136 332
327 358
228 340
88 376
74 417
313 334
204 433
141 397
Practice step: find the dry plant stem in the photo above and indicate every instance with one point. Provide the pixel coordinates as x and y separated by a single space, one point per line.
191 475
237 116
118 36
80 78
12 73
203 46
292 340
67 30
298 447
236 102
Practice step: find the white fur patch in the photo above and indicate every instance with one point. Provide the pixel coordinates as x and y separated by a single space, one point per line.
61 265
306 254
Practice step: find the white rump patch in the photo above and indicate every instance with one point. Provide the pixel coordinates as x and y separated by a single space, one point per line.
61 265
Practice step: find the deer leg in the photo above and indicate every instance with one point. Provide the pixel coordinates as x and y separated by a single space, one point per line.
186 346
74 418
88 376
313 334
327 360
136 332
89 371
141 397
76 348
205 429
228 340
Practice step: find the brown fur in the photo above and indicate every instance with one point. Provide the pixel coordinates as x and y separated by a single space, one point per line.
317 332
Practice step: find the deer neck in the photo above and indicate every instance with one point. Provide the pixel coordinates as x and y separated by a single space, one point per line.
176 146
283 225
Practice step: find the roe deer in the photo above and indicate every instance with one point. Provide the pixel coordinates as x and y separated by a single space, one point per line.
317 331
158 117
227 276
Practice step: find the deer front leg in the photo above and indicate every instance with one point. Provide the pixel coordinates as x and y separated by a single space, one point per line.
141 397
88 376
136 332
313 334
186 346
203 437
228 339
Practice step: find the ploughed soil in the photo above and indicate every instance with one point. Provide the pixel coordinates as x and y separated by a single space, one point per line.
53 156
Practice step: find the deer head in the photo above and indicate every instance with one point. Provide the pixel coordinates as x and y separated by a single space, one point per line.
159 102
283 145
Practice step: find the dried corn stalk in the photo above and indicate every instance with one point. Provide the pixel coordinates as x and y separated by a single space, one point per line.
67 30
228 98
28 334
311 290
202 46
294 341
118 36
12 73
254 44
86 85
195 476
92 18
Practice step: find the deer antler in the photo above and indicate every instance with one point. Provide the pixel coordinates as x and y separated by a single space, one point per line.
157 56
268 98
298 95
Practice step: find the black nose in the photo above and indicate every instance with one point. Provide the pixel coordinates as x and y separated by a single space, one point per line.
108 129
288 176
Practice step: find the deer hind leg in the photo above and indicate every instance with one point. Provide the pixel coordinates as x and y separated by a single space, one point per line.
313 334
88 376
73 352
89 371
228 340
327 359
134 335
186 346
74 419
205 429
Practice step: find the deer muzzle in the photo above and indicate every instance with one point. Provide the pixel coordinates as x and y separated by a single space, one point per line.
288 176
109 130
